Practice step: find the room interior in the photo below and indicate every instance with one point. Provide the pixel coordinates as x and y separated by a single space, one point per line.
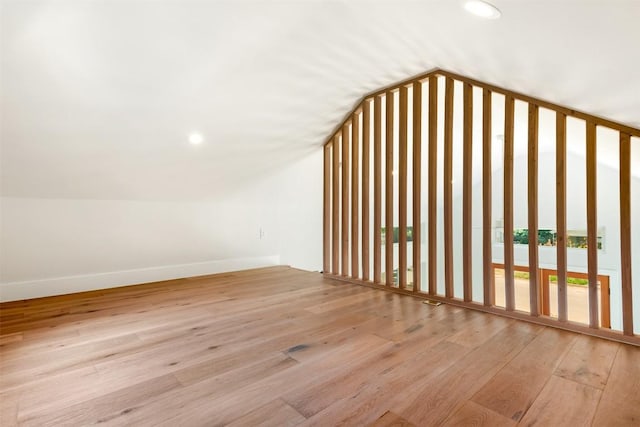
181 242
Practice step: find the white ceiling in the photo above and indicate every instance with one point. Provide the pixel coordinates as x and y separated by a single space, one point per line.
98 97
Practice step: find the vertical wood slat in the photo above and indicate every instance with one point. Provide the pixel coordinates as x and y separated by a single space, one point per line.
402 188
366 188
433 190
448 187
592 226
625 233
467 142
510 298
487 256
388 216
335 206
326 214
345 200
605 298
377 189
561 213
545 278
417 176
355 199
532 171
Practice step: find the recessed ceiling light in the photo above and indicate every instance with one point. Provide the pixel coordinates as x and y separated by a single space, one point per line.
482 9
196 138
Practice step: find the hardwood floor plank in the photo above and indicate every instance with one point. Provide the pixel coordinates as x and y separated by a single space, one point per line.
477 333
620 402
370 402
275 345
512 390
564 403
10 338
8 410
389 419
314 399
20 372
472 414
45 394
589 361
434 403
103 408
211 386
276 413
354 354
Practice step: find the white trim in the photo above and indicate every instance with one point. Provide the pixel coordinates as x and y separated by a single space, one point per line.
12 291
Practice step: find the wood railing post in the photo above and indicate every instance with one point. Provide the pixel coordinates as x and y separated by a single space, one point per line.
448 187
510 299
433 180
467 202
592 225
561 213
345 200
335 206
388 216
402 188
487 172
534 280
545 280
326 214
417 177
377 190
366 188
355 196
605 302
625 233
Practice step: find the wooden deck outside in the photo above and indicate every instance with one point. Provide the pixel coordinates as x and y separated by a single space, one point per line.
280 346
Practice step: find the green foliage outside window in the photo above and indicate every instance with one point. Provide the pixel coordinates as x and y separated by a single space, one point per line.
552 278
550 238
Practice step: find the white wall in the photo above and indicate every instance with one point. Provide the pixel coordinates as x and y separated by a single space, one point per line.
299 213
56 246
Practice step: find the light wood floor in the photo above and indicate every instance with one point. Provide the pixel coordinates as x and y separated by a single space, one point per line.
283 347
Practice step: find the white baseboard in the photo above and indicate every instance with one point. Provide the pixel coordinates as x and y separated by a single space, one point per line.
13 291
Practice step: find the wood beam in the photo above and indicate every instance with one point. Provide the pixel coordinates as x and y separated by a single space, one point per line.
510 298
417 176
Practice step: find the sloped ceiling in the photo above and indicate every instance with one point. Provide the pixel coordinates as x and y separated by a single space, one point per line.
98 97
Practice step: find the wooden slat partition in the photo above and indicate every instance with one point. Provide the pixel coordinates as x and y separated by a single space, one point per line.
355 195
433 180
592 226
632 131
532 171
509 283
448 187
542 103
366 188
326 214
467 152
335 207
402 188
345 200
625 233
377 189
561 213
417 177
487 172
388 215
347 223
